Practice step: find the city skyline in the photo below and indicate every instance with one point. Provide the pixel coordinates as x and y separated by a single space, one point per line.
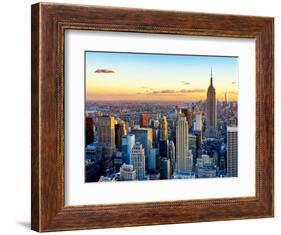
192 135
112 76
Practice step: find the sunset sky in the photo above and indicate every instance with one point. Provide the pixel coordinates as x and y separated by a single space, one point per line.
135 76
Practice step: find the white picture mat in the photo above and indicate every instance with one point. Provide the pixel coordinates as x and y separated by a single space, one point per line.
77 192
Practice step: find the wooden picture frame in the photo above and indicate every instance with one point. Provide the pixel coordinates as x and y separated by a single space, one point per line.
49 22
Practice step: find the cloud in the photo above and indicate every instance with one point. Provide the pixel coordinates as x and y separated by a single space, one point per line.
104 71
167 91
193 90
185 83
182 91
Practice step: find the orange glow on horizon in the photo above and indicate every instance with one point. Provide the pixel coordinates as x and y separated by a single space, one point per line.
124 76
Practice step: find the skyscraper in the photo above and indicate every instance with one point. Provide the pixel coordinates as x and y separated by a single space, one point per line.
144 120
211 131
155 131
188 160
116 134
124 149
120 130
181 143
198 122
190 115
197 129
130 144
225 98
117 161
232 151
144 137
192 144
89 131
185 112
106 142
106 133
163 148
165 168
152 159
138 160
163 126
172 153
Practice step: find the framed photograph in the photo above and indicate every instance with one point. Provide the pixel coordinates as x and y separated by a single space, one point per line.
145 117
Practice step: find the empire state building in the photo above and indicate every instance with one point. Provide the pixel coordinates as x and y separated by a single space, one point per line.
211 131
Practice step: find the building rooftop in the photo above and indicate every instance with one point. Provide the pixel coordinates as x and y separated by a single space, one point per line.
232 128
127 167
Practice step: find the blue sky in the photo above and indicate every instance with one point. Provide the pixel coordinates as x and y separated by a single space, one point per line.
143 76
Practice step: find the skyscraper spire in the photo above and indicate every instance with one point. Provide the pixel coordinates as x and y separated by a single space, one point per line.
211 76
211 110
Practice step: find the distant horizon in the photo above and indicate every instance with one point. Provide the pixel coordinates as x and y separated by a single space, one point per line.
112 76
149 101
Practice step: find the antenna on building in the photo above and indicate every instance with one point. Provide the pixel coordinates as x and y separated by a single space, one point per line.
225 97
211 76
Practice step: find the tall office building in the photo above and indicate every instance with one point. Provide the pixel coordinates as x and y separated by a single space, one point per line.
117 160
152 159
155 137
105 153
181 143
197 130
211 131
192 144
165 168
188 160
106 142
106 133
155 132
198 122
172 151
90 153
191 117
123 129
124 149
120 130
144 136
189 113
116 132
222 163
89 131
144 120
138 160
184 111
232 151
163 126
163 148
130 144
127 172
